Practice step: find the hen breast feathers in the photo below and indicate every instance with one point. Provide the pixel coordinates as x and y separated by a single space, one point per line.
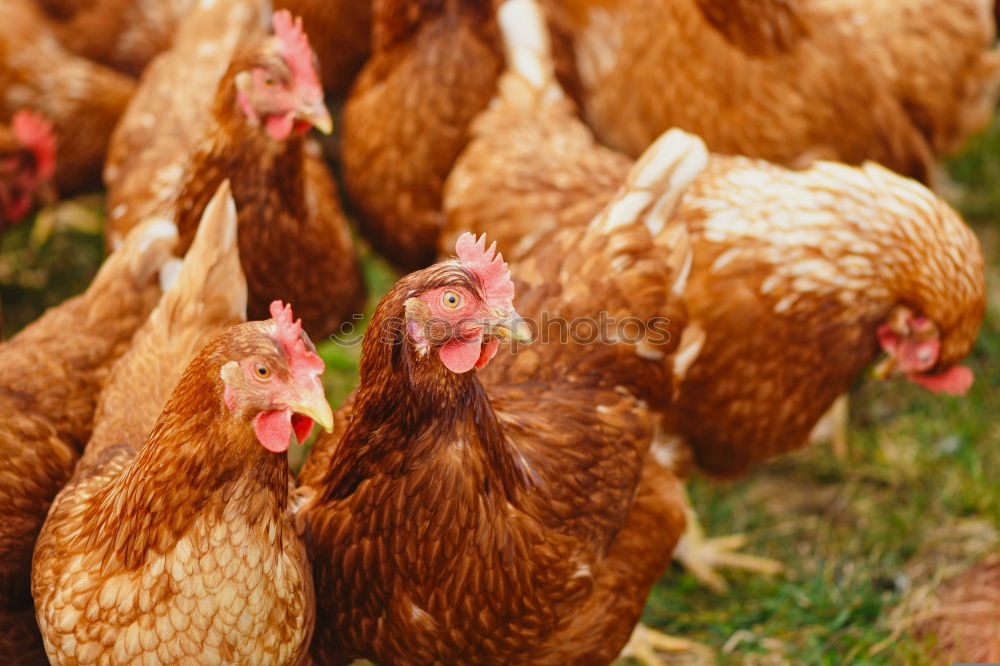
218 574
547 504
52 373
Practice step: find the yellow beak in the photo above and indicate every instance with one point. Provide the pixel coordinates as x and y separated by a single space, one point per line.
884 368
315 407
317 115
509 325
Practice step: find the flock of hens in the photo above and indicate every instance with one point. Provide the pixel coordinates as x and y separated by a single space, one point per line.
486 496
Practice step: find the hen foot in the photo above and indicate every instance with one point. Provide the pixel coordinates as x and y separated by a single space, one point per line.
702 555
645 643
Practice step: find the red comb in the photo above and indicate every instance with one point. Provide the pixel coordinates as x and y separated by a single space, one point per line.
295 47
488 265
303 362
35 133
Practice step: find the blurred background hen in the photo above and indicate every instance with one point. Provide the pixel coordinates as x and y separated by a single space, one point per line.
479 504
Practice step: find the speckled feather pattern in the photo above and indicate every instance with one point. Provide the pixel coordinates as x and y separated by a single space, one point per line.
913 80
793 270
184 550
82 99
810 263
505 517
53 371
227 592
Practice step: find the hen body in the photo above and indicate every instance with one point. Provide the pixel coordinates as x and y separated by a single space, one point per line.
145 556
784 80
433 68
505 515
793 272
121 34
52 375
82 99
340 31
171 151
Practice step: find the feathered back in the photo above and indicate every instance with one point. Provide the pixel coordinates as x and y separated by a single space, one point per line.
630 262
147 158
208 293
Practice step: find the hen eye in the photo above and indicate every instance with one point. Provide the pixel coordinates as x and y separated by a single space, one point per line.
268 80
451 300
262 371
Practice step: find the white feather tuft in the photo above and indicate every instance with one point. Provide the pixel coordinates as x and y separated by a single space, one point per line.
526 45
170 272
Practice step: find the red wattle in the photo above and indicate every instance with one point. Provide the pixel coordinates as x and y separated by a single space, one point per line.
956 380
279 127
274 430
461 355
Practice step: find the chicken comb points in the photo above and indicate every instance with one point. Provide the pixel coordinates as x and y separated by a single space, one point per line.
35 133
295 47
288 333
488 265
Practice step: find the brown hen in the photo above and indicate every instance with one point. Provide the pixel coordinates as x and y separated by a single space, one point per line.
790 81
798 277
83 100
172 150
121 34
433 68
818 259
470 511
53 371
174 538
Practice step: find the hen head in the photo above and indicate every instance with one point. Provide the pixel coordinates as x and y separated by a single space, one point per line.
463 308
280 87
912 344
27 165
275 381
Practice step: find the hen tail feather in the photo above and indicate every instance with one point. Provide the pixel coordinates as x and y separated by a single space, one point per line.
530 78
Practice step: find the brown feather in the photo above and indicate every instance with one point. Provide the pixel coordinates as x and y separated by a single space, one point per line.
494 516
294 240
174 550
53 371
787 81
792 271
433 69
82 99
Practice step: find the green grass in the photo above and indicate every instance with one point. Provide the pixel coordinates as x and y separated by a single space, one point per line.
914 500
